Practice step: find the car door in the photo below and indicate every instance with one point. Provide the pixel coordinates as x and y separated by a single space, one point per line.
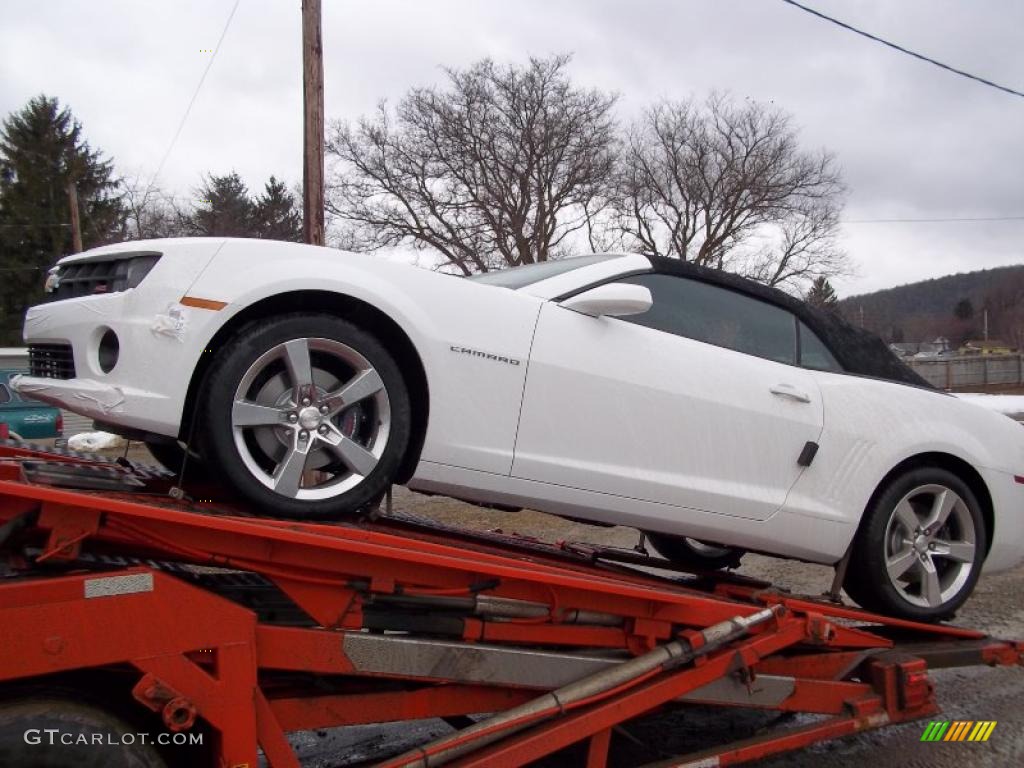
696 403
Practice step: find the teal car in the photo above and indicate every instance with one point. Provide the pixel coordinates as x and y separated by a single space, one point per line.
27 418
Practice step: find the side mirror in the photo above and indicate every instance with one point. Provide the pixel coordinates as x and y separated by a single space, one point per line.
612 300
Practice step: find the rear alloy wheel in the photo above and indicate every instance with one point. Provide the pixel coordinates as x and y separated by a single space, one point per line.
695 555
920 550
308 416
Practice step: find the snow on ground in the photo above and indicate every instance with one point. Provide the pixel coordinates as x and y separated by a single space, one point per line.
1011 405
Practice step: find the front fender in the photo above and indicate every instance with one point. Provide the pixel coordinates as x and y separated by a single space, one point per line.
475 399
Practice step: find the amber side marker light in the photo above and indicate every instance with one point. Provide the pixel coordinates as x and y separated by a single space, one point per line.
192 301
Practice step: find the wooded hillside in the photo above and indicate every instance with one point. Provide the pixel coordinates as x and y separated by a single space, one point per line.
951 306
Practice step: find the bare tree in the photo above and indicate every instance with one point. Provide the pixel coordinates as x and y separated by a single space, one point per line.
149 211
495 169
1005 307
727 186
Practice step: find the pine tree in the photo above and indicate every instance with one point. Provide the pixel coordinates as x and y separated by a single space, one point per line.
276 213
821 294
964 310
42 149
223 208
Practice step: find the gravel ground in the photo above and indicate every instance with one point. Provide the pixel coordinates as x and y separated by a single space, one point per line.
965 694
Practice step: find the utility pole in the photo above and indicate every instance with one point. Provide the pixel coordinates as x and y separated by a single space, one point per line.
76 227
313 124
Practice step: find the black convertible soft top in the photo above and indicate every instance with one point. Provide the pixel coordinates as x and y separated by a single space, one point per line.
856 350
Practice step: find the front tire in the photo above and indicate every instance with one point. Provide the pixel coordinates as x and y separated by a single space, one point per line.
920 548
308 416
171 456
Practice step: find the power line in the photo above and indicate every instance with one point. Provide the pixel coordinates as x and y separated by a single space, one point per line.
43 225
901 49
195 95
942 220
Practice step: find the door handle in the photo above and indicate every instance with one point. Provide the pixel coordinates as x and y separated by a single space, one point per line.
788 390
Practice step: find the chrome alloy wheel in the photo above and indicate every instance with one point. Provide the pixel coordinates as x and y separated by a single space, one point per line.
311 418
930 546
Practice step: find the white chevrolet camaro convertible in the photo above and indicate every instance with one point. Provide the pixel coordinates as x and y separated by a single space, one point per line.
715 414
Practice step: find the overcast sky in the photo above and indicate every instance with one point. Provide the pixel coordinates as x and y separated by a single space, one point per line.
913 141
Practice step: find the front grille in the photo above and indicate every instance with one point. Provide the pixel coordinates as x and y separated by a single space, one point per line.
87 278
99 276
51 361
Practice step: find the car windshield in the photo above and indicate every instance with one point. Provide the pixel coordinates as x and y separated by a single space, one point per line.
519 277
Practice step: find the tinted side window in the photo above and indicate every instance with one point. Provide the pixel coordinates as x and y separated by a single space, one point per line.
717 316
5 394
813 352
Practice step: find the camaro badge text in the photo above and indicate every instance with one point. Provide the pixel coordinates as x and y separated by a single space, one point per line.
485 355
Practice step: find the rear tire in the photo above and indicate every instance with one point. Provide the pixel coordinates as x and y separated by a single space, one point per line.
920 548
307 416
695 555
25 720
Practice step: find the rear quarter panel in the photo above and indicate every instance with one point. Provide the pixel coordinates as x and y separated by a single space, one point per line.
871 426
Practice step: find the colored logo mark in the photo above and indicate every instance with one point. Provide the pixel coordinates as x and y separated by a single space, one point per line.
959 730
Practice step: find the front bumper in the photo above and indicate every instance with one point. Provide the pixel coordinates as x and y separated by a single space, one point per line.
1007 550
147 411
160 342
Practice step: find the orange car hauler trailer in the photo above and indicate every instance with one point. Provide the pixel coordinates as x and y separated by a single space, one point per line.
122 604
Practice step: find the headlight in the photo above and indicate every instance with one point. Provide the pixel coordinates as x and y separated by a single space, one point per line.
98 276
130 272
